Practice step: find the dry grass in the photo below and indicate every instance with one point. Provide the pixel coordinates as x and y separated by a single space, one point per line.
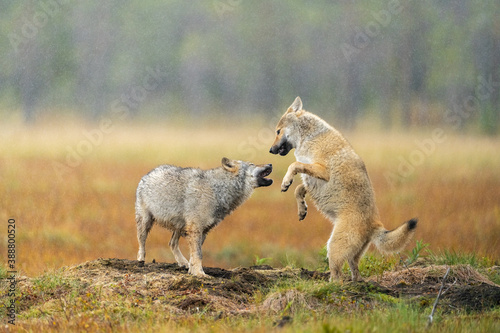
89 211
461 274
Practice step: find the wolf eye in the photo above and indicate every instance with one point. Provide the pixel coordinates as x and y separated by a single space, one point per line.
278 132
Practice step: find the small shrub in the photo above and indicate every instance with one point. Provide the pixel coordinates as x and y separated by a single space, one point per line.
261 261
414 254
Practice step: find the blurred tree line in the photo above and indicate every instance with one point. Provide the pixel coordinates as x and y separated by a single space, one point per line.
403 62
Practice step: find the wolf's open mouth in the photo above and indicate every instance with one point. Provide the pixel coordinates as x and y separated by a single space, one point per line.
285 148
266 172
262 180
282 150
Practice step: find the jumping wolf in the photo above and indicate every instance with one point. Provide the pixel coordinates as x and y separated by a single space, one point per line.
336 179
190 202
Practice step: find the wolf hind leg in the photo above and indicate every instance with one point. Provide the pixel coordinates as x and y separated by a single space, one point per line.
144 224
342 247
335 258
354 262
174 246
300 193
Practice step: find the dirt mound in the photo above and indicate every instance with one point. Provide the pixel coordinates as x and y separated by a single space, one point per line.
232 290
235 291
225 290
465 288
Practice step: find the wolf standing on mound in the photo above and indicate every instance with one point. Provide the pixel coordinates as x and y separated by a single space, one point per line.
190 202
336 179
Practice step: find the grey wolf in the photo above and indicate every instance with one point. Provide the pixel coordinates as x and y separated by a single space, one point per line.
336 179
190 202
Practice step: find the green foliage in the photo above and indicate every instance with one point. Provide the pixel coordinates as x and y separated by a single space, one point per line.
485 265
323 259
324 291
326 328
291 257
55 283
493 274
261 261
452 257
370 264
414 254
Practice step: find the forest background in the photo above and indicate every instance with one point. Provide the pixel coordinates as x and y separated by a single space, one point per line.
398 63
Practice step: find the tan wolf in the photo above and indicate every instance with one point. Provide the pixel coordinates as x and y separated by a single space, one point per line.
336 179
190 202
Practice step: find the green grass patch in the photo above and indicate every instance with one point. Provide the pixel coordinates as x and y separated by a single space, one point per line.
452 257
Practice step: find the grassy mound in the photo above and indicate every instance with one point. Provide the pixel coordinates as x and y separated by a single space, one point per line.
117 294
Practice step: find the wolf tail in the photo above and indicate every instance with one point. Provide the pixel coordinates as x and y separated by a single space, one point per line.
394 240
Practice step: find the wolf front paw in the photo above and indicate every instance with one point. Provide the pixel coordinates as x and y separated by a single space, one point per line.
183 263
204 276
302 213
285 185
199 273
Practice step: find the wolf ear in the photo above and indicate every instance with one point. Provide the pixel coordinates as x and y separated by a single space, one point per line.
296 105
228 164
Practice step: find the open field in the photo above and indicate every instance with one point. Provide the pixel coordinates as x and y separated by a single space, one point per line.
69 214
71 191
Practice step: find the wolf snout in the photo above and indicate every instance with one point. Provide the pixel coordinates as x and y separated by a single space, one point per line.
281 149
275 149
261 177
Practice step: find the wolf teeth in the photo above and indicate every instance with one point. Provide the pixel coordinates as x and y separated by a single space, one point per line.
265 173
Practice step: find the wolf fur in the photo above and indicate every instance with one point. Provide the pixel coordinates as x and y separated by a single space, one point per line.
336 179
190 202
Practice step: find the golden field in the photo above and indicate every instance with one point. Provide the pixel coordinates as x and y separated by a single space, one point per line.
71 190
